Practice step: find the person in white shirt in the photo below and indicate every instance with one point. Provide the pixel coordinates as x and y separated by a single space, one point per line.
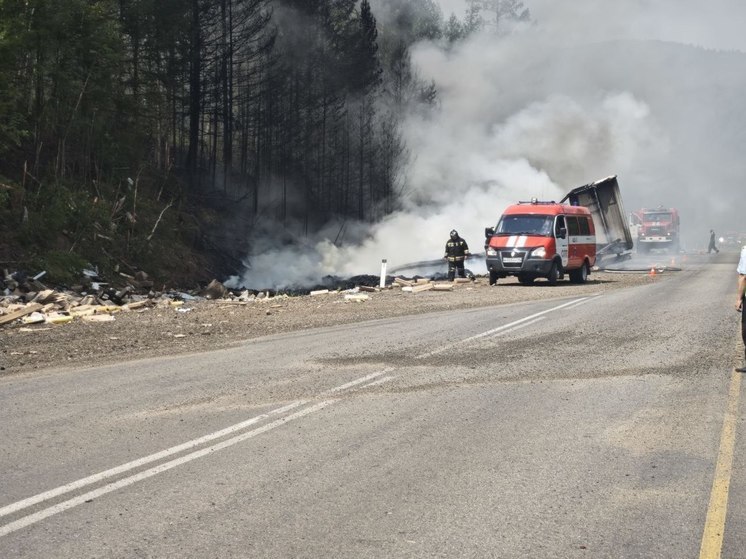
741 302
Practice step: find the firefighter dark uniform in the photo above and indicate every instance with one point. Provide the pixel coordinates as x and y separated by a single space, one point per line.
456 252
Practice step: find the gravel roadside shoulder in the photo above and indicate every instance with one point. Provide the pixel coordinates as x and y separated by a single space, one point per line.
207 325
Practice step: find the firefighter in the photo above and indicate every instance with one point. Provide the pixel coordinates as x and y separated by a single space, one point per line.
456 252
712 246
741 302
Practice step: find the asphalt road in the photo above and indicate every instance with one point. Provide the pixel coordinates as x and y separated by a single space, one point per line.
577 427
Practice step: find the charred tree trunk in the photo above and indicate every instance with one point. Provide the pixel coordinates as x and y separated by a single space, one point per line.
195 93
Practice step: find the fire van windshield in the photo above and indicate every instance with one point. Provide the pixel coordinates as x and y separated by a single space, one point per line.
536 225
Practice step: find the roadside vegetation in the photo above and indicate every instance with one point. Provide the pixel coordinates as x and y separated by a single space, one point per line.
156 136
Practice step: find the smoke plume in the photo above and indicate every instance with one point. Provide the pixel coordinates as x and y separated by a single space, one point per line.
651 93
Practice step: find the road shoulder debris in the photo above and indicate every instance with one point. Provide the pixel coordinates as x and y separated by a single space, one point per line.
45 328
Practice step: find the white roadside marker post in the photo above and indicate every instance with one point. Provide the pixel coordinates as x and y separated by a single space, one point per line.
382 284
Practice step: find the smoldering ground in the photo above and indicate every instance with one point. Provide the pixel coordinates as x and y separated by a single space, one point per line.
588 89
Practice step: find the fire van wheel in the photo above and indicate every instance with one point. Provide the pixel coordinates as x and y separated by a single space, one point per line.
554 274
493 277
580 275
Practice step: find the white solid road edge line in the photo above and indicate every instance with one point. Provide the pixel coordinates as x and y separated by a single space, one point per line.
584 301
503 330
66 505
361 380
95 478
499 329
382 380
525 319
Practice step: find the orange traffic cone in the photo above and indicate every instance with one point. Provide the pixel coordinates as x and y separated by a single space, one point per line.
652 272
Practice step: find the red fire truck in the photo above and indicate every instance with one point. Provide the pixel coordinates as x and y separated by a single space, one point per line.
657 228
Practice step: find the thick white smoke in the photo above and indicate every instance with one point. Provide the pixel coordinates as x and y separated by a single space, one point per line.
589 90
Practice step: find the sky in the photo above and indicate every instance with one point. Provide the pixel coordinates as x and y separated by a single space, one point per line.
716 24
651 91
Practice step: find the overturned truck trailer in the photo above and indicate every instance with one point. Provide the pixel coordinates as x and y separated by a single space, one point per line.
602 198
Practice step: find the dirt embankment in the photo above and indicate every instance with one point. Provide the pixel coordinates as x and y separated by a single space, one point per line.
205 325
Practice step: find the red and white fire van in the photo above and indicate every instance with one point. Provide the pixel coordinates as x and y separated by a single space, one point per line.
542 239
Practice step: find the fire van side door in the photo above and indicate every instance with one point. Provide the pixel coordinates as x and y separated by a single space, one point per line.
560 236
573 243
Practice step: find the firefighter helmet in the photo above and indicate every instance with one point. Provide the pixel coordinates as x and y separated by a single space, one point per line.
454 234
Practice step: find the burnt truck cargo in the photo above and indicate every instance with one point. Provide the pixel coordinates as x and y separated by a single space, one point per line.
546 239
603 199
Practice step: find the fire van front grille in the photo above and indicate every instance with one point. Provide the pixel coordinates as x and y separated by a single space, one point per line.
512 258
